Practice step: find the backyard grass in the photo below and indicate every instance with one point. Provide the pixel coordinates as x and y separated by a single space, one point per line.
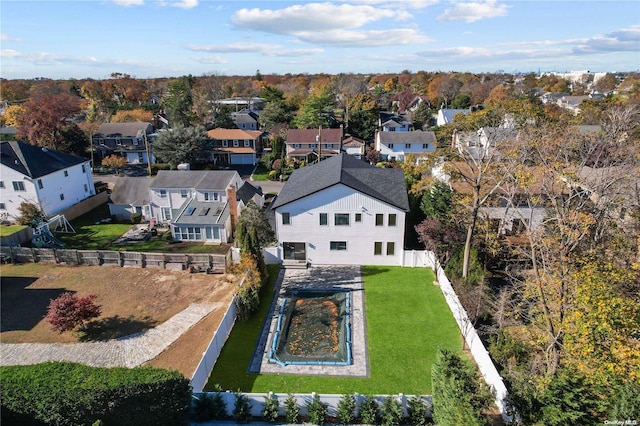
408 320
92 234
6 230
260 173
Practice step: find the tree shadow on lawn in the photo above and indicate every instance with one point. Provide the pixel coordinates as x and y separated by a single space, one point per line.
114 327
22 307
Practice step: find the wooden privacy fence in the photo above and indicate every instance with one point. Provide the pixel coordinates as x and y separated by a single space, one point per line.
200 262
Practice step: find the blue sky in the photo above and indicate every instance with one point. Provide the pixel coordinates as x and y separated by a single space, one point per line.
145 38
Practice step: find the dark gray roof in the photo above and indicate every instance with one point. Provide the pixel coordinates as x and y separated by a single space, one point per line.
127 130
197 179
386 185
247 191
33 161
131 190
418 136
203 213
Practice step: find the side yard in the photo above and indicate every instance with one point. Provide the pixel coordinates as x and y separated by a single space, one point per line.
407 320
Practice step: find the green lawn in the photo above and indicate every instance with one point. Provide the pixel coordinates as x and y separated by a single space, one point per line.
260 174
6 230
407 318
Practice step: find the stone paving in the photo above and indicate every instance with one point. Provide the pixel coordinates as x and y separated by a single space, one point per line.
128 351
347 277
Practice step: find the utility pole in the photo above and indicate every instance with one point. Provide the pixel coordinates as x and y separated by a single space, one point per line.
146 147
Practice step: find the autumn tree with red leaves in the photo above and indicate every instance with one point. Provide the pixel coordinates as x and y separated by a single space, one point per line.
69 311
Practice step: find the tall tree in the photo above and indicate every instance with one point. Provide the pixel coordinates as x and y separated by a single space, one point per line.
46 118
362 116
178 102
182 145
316 111
422 118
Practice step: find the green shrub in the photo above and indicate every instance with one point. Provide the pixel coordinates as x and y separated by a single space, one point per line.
209 407
458 394
369 410
291 409
346 409
159 166
316 411
61 393
242 409
418 411
391 412
271 405
136 217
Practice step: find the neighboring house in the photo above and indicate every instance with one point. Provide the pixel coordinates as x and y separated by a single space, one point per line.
312 144
390 122
197 205
445 115
341 211
238 103
248 193
132 141
235 146
481 143
572 103
245 119
353 146
53 180
396 146
130 195
415 103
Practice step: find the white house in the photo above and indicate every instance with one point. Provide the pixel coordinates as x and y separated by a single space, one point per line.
353 146
391 122
341 211
130 195
197 205
53 180
133 141
396 146
481 143
446 115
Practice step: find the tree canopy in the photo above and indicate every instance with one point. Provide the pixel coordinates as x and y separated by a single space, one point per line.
182 145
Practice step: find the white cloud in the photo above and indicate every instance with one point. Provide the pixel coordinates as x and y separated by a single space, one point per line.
210 60
346 38
623 40
128 3
309 17
4 37
264 49
474 11
185 4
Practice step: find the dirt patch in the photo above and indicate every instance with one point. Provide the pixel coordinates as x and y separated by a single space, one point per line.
132 299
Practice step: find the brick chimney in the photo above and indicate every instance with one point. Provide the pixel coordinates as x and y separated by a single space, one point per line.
233 207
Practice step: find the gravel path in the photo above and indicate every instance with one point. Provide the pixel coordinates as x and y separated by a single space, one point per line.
128 351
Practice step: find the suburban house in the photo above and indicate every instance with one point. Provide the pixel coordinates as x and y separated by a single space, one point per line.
415 103
238 103
390 122
446 115
396 146
353 146
341 211
312 144
481 143
235 146
53 180
245 119
196 205
132 141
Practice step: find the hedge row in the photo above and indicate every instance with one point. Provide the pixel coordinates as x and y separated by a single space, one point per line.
63 393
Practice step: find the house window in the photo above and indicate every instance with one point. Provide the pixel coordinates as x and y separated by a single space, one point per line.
328 145
338 245
340 219
297 145
312 145
184 193
140 158
84 169
358 217
225 143
211 196
392 220
286 218
188 233
1 184
163 193
66 173
425 146
61 197
166 213
118 141
18 185
323 219
407 145
379 219
135 141
391 248
86 188
390 146
235 143
40 186
3 206
247 143
377 248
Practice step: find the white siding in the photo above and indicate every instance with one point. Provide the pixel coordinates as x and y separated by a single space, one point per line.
359 236
11 198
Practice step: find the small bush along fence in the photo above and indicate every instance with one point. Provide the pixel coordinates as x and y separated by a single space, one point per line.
62 393
312 408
